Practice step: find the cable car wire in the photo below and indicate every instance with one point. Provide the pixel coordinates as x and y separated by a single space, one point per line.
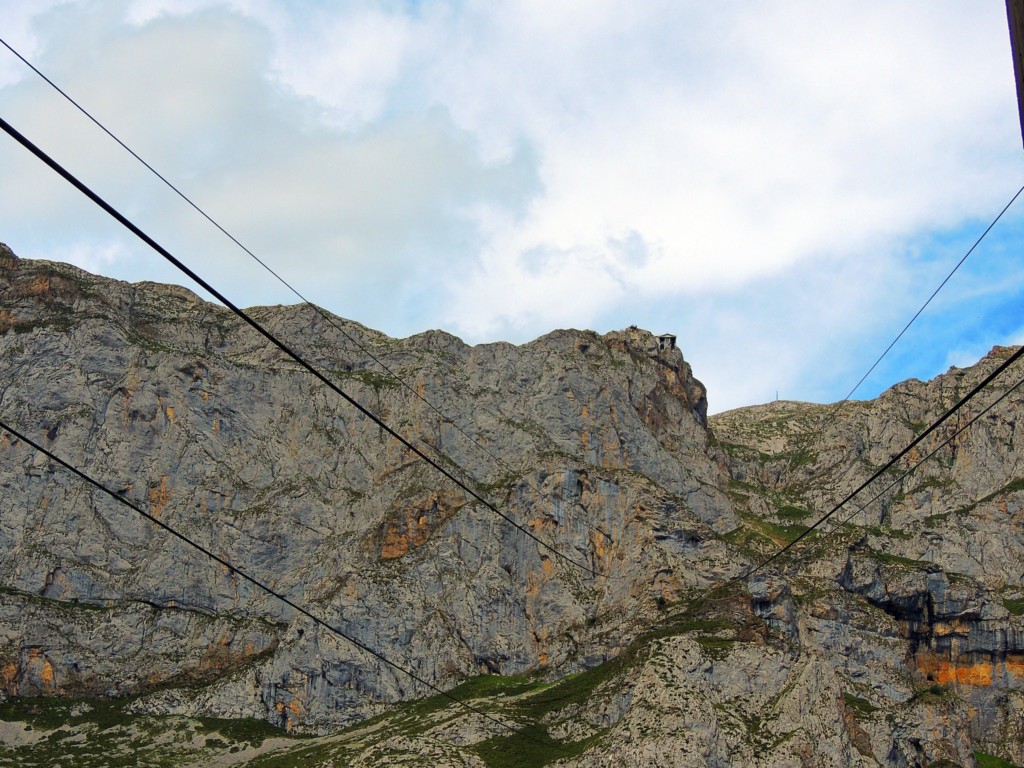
251 579
260 329
323 314
910 470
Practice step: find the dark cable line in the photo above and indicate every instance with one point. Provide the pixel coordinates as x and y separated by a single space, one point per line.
836 406
248 319
892 461
934 294
909 471
746 575
323 314
251 579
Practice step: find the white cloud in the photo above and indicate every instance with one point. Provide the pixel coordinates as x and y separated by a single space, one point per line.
809 131
90 256
17 17
500 169
345 210
348 61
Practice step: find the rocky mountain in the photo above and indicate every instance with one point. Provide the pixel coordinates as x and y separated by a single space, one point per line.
894 637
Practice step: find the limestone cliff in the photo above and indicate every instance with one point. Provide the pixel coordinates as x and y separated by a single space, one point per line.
897 639
939 553
184 409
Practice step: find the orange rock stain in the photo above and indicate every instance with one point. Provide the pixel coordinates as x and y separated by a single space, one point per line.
414 522
542 523
294 708
39 662
980 674
158 498
9 678
38 287
597 541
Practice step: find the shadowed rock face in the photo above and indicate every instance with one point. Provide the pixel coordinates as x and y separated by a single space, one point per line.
897 639
940 552
179 406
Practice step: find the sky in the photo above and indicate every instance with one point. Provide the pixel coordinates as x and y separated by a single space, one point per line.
780 184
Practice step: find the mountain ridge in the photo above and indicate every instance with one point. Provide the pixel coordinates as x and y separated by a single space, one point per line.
606 451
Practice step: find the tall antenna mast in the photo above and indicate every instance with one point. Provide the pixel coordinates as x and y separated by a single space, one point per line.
1015 18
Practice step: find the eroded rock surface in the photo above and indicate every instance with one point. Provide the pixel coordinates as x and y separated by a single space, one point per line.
596 445
892 637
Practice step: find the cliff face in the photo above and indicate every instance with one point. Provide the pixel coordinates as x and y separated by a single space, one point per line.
179 406
897 639
940 553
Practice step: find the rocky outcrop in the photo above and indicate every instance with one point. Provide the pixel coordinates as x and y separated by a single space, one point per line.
935 546
960 639
893 636
596 445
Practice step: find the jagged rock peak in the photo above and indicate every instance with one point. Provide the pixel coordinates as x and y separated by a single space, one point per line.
595 443
894 639
7 257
